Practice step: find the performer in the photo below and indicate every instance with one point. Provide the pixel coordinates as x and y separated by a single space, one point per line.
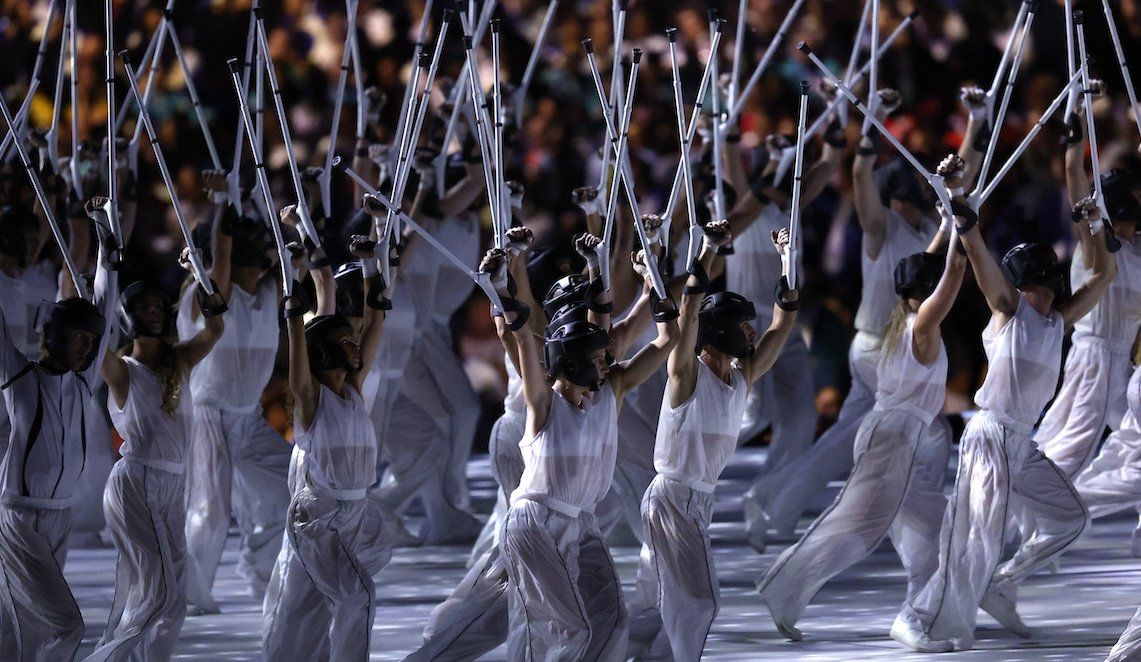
1023 342
46 454
436 402
1097 367
711 370
566 599
785 396
891 231
335 532
236 462
473 620
144 501
896 486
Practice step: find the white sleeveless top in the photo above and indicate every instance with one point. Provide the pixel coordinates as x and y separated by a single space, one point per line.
1025 358
697 439
906 384
877 291
1117 316
753 269
150 435
234 373
340 446
569 464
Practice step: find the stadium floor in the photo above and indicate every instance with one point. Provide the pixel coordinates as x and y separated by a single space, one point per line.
1077 613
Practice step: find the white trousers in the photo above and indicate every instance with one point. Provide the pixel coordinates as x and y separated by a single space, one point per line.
1113 482
146 514
1128 647
896 489
87 510
41 620
784 494
677 590
785 398
1000 467
328 598
1092 396
428 442
507 469
235 463
565 597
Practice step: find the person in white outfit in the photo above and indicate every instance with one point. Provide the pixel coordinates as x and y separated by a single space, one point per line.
892 230
473 620
335 531
236 462
1112 483
1096 370
144 499
717 359
999 463
433 418
47 448
565 597
896 485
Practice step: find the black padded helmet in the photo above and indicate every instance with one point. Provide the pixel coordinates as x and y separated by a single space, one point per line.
917 275
568 352
130 297
325 352
719 323
1034 264
66 316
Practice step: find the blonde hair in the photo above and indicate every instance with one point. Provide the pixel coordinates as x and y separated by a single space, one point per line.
169 372
893 332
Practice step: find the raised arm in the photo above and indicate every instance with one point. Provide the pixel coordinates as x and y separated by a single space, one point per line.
972 149
1077 182
817 175
194 349
536 391
682 362
221 232
302 384
784 317
628 374
1103 266
866 195
926 337
599 301
376 303
1001 296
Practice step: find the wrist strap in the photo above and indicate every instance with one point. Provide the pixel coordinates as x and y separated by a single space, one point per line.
982 139
1073 134
204 301
522 312
783 289
834 134
660 313
593 290
970 217
697 271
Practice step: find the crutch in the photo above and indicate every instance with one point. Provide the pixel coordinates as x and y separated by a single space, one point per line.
21 118
155 44
112 183
462 86
738 50
482 131
192 91
981 198
338 103
307 226
283 256
73 56
233 178
519 97
45 205
686 169
57 100
152 76
798 173
618 9
196 266
853 59
1071 61
873 73
1024 9
997 121
766 59
1097 225
503 221
717 129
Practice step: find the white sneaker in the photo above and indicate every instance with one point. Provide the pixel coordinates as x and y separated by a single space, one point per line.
1001 607
917 640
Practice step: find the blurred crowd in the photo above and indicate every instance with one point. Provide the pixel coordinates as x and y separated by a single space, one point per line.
555 147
